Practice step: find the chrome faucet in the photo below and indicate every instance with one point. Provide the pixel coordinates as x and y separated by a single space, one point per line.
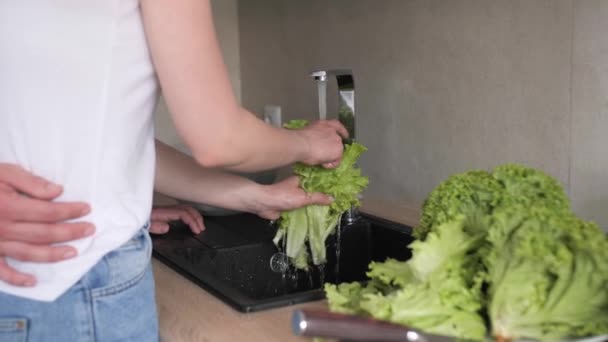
346 92
346 112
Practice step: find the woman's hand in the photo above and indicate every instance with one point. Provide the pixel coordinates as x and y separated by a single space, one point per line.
283 196
161 216
324 141
30 223
178 176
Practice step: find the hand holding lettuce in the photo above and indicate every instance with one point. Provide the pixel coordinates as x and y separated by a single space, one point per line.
497 254
306 229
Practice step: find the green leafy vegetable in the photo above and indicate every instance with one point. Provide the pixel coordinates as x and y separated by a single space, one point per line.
306 229
548 275
501 248
435 290
470 194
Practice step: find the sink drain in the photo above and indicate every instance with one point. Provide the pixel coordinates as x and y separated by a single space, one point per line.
279 262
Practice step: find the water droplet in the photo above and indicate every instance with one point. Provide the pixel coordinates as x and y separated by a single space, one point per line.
322 274
310 282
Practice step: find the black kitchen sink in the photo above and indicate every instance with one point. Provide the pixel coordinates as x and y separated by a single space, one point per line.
232 259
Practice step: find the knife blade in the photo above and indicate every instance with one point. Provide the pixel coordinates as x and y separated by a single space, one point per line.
317 323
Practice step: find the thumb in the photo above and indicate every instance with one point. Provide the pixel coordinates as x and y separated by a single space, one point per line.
333 164
319 198
158 227
28 183
270 215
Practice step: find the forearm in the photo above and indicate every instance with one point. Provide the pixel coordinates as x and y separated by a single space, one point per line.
195 83
179 176
242 142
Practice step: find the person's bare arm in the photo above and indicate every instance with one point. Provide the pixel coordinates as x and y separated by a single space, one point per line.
179 176
196 86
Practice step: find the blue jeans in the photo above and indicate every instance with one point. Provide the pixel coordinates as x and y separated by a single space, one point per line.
114 301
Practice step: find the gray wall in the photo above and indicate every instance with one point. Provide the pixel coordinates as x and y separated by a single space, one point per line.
446 86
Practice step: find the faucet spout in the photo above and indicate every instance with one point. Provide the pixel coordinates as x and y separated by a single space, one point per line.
346 92
346 112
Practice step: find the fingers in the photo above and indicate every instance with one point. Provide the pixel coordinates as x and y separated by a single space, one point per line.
298 200
324 139
11 276
340 129
318 198
291 181
21 208
28 229
36 253
188 218
43 233
197 217
288 195
333 164
28 183
159 227
188 215
270 215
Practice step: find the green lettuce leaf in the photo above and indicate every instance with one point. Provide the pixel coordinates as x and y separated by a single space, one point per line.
306 229
498 252
548 275
472 194
434 291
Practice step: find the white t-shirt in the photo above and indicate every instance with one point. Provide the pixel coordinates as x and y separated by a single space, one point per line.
77 93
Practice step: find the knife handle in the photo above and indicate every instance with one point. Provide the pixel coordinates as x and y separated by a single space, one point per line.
315 323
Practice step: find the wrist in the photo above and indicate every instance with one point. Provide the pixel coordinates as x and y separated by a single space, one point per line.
302 145
254 197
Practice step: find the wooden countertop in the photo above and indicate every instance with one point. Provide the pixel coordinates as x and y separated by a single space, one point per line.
189 313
